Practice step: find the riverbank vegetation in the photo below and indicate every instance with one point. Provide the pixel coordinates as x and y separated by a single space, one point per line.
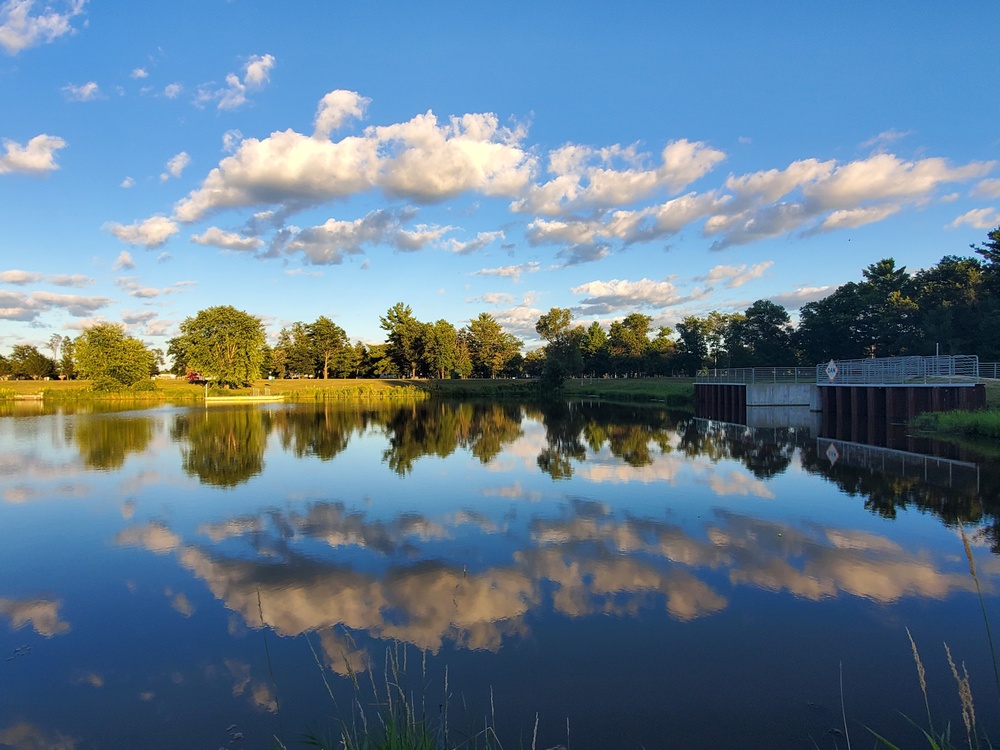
950 308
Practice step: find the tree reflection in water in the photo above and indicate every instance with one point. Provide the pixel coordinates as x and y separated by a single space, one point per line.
222 447
104 443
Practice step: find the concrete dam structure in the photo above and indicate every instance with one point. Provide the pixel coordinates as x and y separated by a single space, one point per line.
856 400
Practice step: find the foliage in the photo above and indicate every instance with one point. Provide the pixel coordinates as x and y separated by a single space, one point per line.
491 349
26 362
113 360
224 344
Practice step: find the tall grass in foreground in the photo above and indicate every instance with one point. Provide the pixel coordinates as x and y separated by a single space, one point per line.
941 739
386 713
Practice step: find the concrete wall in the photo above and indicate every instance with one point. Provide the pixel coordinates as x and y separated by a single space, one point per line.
784 394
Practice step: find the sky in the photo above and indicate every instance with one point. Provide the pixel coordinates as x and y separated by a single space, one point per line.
334 158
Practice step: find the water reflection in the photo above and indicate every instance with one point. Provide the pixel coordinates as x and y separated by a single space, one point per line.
486 536
222 447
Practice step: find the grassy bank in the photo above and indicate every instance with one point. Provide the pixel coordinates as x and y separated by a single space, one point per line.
982 423
673 391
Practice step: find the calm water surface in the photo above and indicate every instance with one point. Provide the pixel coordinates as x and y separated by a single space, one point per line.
186 577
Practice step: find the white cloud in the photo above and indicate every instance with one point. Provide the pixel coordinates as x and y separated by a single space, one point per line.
151 232
127 183
886 137
585 178
608 296
227 240
855 217
175 166
987 189
736 276
256 73
35 158
493 298
231 140
172 90
139 73
510 272
23 278
19 29
328 243
427 162
286 169
802 296
124 261
135 289
75 304
85 92
482 240
336 108
978 218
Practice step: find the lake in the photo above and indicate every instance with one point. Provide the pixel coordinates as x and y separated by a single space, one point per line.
191 576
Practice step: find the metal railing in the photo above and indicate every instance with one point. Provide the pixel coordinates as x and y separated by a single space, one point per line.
750 375
956 369
989 370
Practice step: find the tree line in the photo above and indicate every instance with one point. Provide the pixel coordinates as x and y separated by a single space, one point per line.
952 307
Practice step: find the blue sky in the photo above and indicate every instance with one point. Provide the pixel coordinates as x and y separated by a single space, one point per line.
326 158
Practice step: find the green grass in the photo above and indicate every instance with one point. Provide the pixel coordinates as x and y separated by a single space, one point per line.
671 391
981 423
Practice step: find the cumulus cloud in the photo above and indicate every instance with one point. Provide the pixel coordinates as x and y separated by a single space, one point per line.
139 73
609 296
127 183
987 189
328 243
420 160
838 196
978 218
85 92
175 166
586 178
124 261
20 28
172 90
27 307
482 240
336 108
150 233
736 276
493 298
37 157
227 240
21 278
256 73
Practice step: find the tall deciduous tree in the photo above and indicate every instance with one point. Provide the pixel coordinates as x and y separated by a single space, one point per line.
224 344
111 359
329 342
441 348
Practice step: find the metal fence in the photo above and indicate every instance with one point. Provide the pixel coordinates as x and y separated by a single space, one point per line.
989 370
944 370
748 375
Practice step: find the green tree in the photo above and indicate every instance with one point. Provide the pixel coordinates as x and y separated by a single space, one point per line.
441 348
26 362
67 367
104 354
405 338
300 357
490 347
764 333
563 355
628 340
596 353
224 344
329 342
692 344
